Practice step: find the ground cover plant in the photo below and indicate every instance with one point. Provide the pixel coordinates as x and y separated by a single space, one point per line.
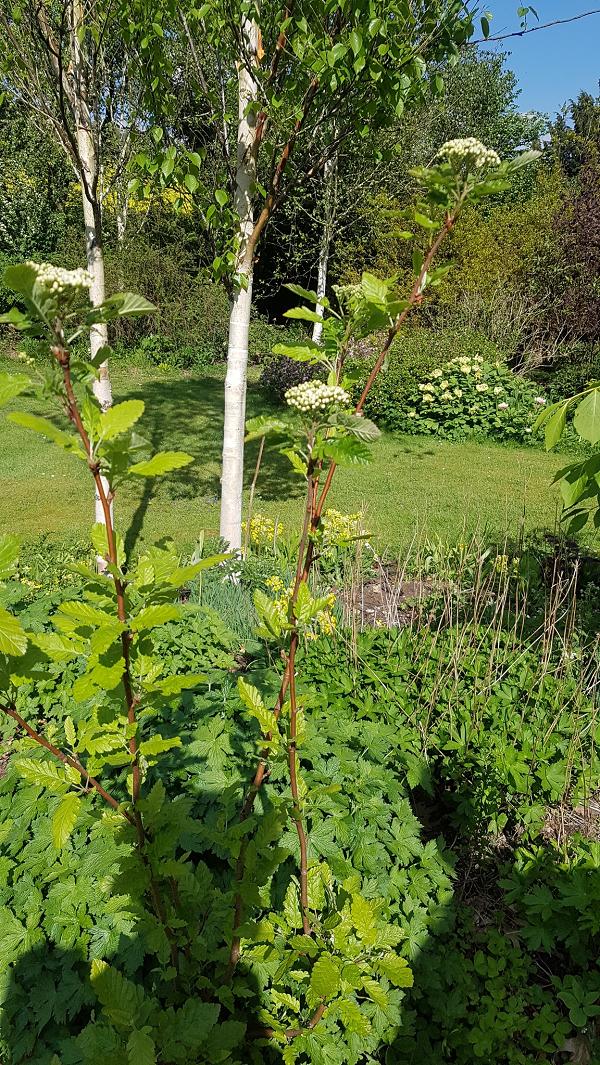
207 874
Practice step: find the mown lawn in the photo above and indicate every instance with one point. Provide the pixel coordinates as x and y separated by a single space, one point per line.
413 486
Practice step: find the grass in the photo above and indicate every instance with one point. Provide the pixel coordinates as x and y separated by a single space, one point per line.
414 485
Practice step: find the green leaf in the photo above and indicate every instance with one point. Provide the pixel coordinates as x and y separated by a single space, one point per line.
13 639
9 553
11 385
43 773
304 293
175 685
157 745
268 614
84 614
353 1019
63 821
302 351
20 278
141 1049
396 970
67 441
55 646
325 977
263 425
163 462
70 733
346 451
121 305
253 702
587 417
303 314
120 418
555 426
100 542
361 428
221 197
120 997
376 993
151 616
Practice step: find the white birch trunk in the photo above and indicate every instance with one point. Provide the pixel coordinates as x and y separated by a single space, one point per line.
232 477
88 160
330 175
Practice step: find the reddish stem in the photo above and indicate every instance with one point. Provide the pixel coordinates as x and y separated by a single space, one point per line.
67 760
293 766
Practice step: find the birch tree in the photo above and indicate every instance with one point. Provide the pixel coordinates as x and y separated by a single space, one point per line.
66 65
313 75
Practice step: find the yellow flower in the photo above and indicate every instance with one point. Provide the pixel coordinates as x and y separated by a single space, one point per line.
437 373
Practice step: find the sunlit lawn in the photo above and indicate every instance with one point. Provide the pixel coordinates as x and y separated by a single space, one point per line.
413 486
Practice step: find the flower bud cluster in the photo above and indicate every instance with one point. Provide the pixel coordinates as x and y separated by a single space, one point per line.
59 282
468 152
315 397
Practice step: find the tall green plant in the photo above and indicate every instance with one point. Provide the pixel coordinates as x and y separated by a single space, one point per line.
322 432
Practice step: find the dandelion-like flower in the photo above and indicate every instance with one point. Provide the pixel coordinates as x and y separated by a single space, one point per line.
467 154
315 397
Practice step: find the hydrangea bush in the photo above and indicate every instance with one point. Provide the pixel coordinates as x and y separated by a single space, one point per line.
471 397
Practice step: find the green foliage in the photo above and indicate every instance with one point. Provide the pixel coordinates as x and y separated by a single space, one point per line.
578 481
413 357
469 397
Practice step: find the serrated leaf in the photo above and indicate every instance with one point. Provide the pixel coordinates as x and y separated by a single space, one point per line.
325 977
263 425
68 441
253 702
141 1049
587 417
302 351
353 1019
268 614
303 314
163 462
121 305
396 969
11 386
9 553
175 685
120 418
304 293
43 773
120 997
363 919
85 615
64 818
70 733
555 426
151 616
346 451
376 993
157 745
13 638
55 646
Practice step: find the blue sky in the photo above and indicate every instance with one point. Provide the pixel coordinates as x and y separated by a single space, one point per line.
555 64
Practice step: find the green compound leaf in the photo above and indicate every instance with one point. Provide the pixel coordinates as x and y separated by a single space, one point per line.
163 462
325 977
63 821
9 553
120 418
120 998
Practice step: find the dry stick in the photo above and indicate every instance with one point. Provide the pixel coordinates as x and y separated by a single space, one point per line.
313 512
66 759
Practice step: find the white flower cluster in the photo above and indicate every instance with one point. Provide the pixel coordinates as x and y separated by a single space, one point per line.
58 281
469 152
312 397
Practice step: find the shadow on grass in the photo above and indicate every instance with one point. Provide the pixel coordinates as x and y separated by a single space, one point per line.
186 414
